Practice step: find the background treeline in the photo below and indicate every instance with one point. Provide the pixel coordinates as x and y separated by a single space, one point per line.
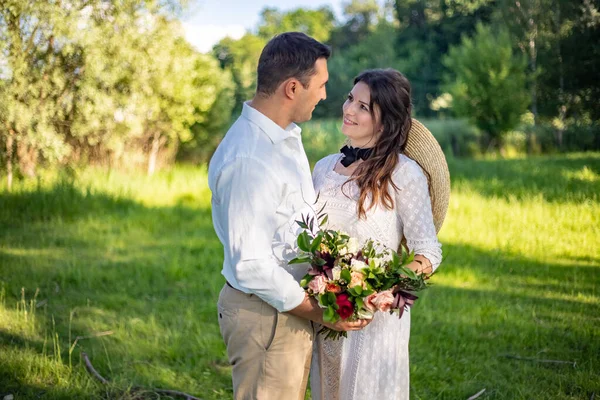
95 81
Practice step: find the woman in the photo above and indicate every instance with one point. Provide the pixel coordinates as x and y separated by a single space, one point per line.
373 191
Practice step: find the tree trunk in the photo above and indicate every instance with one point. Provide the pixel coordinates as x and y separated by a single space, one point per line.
154 148
533 64
27 156
9 165
562 107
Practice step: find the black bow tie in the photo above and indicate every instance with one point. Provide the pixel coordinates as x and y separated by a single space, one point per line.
352 154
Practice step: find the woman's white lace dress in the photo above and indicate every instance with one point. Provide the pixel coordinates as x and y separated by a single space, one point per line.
373 363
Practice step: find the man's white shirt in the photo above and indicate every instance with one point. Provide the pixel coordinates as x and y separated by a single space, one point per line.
261 184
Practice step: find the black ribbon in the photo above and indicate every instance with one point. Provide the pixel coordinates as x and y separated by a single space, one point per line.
352 154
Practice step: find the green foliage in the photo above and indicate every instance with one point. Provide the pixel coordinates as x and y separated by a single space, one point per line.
346 64
316 23
240 57
487 82
426 31
103 81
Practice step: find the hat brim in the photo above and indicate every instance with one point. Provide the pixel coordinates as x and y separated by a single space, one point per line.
422 147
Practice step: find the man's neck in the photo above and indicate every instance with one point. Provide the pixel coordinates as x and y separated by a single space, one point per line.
272 109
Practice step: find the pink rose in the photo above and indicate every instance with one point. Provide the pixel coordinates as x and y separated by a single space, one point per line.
358 279
318 284
369 302
383 300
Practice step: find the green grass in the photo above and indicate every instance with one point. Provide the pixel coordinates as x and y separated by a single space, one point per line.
137 256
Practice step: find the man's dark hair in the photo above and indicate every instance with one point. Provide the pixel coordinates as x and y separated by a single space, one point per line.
288 55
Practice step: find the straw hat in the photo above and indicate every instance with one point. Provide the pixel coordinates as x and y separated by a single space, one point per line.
422 147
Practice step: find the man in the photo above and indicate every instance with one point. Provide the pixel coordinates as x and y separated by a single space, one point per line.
261 183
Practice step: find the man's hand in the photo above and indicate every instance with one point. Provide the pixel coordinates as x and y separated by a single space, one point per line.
347 325
310 309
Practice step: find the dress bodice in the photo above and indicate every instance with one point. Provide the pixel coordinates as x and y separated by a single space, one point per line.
411 216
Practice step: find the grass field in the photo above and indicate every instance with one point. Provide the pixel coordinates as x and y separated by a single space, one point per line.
136 258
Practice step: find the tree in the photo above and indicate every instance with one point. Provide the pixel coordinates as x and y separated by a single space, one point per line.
87 80
240 58
362 17
315 23
487 82
346 64
559 40
37 59
426 30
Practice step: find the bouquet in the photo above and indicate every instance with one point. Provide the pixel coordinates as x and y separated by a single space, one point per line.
351 281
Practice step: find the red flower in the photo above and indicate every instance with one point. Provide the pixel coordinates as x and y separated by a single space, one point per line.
346 307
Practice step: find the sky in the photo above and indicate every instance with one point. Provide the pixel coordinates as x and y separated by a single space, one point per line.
208 21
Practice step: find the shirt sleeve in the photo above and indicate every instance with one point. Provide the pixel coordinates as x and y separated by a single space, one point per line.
248 195
414 208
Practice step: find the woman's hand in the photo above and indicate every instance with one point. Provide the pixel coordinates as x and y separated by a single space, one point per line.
421 265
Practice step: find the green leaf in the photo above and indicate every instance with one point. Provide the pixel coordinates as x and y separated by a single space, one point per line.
306 279
324 221
395 263
358 289
320 262
316 242
360 302
302 224
331 298
323 300
329 314
409 272
300 260
345 275
304 241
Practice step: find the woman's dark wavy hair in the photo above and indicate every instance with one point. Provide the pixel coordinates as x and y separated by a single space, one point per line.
390 94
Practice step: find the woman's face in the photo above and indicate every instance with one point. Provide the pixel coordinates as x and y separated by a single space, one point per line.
358 124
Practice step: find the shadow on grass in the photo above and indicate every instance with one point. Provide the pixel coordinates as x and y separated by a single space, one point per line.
150 275
557 179
493 318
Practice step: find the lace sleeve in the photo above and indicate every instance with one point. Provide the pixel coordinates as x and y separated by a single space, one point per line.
414 208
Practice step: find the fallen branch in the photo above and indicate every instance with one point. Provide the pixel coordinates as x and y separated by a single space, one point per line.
573 363
476 395
93 335
175 393
92 370
95 374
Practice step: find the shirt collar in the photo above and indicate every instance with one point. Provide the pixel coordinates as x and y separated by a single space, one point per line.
273 131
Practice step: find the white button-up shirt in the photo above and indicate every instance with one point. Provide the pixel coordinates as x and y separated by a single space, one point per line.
261 184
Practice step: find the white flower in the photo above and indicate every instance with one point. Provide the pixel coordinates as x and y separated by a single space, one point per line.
357 265
376 261
336 271
352 245
343 251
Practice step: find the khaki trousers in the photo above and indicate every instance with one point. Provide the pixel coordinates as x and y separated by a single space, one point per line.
270 351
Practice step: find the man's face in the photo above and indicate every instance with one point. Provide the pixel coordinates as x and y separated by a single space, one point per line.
308 98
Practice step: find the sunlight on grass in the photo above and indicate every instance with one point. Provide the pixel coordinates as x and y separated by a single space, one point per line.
137 256
585 174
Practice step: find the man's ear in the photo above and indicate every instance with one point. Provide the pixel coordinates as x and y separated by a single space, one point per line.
290 88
